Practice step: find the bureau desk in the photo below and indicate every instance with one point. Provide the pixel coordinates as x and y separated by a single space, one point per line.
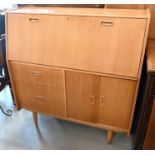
80 65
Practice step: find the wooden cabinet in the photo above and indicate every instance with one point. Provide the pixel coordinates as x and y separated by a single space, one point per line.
81 65
116 101
82 96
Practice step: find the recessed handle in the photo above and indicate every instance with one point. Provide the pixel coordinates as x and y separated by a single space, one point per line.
38 97
104 23
102 100
92 100
36 73
33 20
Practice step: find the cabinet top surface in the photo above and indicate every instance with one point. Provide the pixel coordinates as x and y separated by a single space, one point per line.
151 55
128 13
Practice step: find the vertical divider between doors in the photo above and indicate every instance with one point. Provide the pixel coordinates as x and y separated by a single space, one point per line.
98 100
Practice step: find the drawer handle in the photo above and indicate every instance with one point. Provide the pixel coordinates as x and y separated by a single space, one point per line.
102 100
33 20
106 23
39 98
36 73
92 100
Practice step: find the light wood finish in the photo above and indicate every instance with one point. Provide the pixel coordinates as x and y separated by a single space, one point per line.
151 7
80 71
84 56
35 118
128 13
149 142
74 44
39 96
126 6
151 55
82 96
37 74
110 136
116 101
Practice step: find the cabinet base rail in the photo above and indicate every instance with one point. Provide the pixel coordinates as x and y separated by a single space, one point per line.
110 132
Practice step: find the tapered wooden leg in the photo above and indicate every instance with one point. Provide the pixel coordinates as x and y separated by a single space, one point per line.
110 136
35 118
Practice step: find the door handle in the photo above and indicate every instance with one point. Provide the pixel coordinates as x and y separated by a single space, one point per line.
92 100
33 20
35 73
103 23
102 100
38 97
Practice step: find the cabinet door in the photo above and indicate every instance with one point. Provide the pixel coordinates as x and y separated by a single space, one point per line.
82 91
116 101
78 42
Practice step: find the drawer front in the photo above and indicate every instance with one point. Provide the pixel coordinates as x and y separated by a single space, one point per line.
37 74
40 98
97 44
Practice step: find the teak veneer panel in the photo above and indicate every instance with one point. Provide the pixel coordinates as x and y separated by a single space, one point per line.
37 74
71 42
82 96
116 101
41 98
35 94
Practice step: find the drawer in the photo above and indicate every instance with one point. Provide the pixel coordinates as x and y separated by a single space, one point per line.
40 98
37 74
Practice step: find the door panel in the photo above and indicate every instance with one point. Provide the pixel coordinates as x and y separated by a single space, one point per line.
84 43
82 91
116 101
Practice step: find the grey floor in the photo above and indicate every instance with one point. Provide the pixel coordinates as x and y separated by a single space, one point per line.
18 132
